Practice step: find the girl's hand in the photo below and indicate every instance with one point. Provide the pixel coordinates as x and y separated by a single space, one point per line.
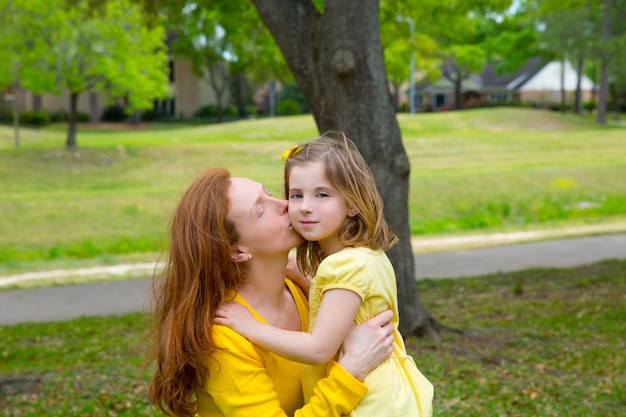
235 316
367 345
294 274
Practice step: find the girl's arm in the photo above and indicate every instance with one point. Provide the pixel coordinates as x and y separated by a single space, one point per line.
241 386
334 320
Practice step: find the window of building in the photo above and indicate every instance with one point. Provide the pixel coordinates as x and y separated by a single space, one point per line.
499 97
171 70
439 100
36 102
167 107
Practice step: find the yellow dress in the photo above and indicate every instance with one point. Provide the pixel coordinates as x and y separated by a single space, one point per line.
396 387
248 381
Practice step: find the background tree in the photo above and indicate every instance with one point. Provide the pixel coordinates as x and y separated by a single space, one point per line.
136 65
511 40
21 26
11 56
398 45
607 37
463 39
200 37
87 47
461 61
234 41
450 34
256 57
570 34
614 11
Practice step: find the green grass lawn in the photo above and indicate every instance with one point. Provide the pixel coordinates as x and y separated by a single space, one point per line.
472 171
535 343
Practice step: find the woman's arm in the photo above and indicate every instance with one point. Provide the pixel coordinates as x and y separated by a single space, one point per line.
332 324
241 386
248 381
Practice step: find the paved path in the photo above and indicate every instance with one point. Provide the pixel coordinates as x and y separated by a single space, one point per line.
119 297
561 253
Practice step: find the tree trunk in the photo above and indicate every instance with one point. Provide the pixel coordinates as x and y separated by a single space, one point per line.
339 68
563 93
594 90
94 111
135 118
16 115
578 102
71 128
458 100
242 95
604 66
218 80
271 98
396 98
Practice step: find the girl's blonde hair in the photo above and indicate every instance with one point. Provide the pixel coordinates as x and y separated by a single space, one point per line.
347 171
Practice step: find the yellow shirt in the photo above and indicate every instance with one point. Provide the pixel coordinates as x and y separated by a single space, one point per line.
396 387
248 381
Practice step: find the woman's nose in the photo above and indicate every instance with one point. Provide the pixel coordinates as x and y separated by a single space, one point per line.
283 205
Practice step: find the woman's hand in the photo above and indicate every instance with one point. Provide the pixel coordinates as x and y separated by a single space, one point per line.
367 345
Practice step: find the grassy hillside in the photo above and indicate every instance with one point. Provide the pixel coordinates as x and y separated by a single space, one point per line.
487 170
512 168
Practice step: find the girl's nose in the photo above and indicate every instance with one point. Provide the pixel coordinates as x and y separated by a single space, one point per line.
305 207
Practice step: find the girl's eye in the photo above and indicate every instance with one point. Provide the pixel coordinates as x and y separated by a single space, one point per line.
322 195
295 196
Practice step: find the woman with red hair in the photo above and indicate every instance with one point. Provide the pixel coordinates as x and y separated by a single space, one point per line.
230 241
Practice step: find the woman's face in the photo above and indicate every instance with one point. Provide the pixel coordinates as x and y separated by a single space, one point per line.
261 220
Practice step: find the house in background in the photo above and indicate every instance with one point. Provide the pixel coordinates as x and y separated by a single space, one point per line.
536 83
189 94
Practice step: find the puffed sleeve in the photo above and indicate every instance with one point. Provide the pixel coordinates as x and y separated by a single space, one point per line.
344 270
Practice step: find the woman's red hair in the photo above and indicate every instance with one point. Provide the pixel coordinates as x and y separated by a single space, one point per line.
197 278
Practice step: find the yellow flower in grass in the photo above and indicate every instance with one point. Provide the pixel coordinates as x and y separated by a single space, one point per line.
564 183
288 153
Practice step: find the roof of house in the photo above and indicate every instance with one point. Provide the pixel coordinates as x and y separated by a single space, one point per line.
488 79
491 78
473 83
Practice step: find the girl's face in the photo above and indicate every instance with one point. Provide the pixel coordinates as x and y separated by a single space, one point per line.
317 210
261 220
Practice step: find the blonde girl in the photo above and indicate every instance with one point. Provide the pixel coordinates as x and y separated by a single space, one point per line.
334 205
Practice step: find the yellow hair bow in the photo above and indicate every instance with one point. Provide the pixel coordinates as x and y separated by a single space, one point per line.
288 153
